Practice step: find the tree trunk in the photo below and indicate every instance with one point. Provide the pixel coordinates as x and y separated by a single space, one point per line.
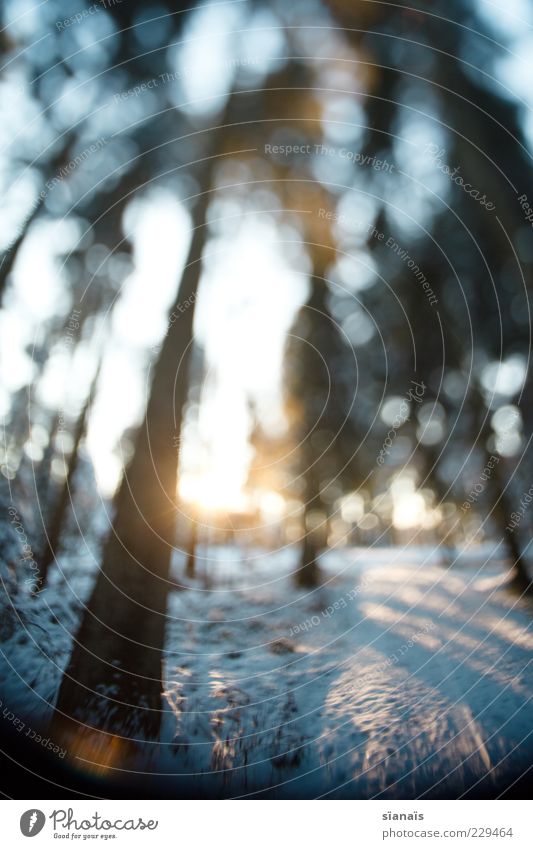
11 253
502 509
190 568
308 574
113 680
59 510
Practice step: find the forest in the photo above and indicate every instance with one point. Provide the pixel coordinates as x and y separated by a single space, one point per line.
267 406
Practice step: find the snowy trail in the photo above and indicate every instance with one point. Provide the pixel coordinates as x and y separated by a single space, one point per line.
407 680
396 678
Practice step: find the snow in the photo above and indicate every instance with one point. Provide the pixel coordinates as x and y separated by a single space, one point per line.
400 676
396 677
36 635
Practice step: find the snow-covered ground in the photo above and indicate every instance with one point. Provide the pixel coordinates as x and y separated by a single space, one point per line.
396 678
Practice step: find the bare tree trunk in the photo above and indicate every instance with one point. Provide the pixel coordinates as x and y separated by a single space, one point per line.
60 508
43 476
309 572
113 680
10 255
500 497
502 510
190 568
315 407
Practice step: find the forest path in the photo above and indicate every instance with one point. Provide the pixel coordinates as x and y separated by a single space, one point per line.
395 678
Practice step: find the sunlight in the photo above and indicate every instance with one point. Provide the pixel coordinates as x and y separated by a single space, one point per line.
409 506
213 492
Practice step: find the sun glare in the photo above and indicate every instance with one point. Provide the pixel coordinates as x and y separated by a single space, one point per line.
213 492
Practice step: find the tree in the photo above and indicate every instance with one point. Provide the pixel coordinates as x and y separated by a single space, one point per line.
114 674
56 518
